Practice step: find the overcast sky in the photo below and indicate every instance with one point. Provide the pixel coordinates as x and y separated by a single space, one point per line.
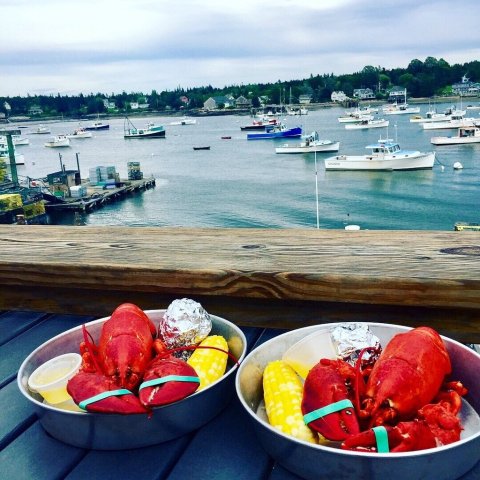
110 46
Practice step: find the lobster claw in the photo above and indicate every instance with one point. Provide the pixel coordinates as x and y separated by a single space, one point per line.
404 437
326 406
167 380
95 392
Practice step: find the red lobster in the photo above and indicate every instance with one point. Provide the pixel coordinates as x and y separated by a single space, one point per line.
112 372
406 378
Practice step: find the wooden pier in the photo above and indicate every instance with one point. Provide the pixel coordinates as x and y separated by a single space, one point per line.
97 196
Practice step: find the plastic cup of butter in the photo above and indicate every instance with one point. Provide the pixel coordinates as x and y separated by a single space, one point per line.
50 379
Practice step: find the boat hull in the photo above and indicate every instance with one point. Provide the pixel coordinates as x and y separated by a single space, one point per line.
98 127
412 161
454 140
321 147
159 134
466 122
290 133
371 124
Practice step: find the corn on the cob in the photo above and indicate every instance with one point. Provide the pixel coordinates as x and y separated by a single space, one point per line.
283 392
210 364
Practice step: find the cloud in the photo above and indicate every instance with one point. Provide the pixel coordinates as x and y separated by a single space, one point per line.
138 45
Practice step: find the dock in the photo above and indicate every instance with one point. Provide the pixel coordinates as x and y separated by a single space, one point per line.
97 196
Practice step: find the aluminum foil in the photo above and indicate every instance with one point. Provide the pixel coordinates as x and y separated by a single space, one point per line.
351 338
184 323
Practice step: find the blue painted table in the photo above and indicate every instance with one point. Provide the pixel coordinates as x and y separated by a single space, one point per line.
225 448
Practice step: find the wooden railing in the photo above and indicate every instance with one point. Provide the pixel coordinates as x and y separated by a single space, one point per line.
263 277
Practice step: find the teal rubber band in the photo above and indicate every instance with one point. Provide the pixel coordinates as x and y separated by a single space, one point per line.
322 412
381 436
96 398
169 378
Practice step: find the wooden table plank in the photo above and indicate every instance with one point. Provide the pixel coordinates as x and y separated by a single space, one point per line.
374 267
14 323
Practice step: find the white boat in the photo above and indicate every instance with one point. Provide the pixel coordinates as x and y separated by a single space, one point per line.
473 107
385 155
464 135
17 140
184 121
58 141
456 121
433 116
4 156
150 131
354 117
80 133
400 109
310 144
41 130
377 123
297 111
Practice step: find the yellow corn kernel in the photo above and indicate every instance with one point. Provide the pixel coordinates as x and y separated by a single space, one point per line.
210 364
283 392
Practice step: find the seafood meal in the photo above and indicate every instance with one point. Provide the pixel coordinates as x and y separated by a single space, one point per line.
368 398
137 365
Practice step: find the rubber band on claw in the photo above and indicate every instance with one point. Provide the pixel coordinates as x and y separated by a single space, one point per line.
381 438
322 412
101 396
168 378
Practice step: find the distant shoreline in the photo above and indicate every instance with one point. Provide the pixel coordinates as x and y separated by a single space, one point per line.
202 113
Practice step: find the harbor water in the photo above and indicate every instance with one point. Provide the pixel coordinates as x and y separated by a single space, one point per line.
244 183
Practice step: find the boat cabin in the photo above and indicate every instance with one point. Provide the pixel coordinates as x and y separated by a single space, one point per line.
469 132
384 148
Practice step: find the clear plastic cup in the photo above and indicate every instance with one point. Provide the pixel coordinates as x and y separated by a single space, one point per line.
50 379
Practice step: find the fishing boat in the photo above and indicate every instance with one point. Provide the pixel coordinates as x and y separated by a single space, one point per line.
98 126
400 108
17 140
434 116
41 130
310 144
376 123
276 131
201 148
184 121
456 121
58 141
384 155
4 155
354 117
150 131
260 124
80 133
464 135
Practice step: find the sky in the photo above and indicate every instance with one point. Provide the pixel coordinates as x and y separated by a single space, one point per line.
109 46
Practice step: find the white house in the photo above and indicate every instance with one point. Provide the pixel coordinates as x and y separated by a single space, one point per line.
363 93
338 96
304 99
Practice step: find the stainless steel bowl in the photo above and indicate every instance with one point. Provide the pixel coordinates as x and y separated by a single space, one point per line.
116 432
312 462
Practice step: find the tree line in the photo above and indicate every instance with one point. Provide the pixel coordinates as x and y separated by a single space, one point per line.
429 78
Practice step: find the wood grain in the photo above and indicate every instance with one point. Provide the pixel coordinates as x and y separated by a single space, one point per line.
64 268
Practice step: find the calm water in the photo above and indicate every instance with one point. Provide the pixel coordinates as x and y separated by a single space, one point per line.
240 183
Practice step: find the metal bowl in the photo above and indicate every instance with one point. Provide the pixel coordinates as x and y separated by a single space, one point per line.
312 462
115 431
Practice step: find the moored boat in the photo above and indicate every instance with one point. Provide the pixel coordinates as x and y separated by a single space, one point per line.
58 141
276 131
384 155
376 123
354 117
464 135
456 121
150 131
184 121
42 130
260 124
80 133
310 144
5 157
98 126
